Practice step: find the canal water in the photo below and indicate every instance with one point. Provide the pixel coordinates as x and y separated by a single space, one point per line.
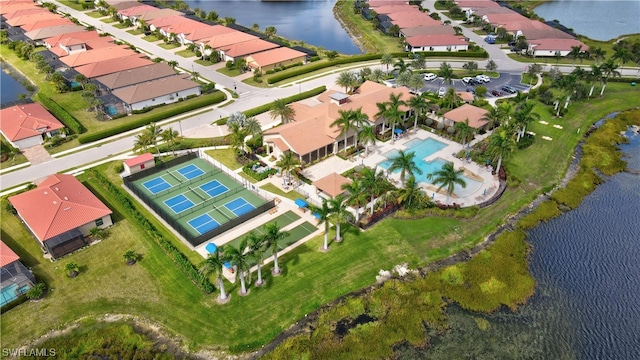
598 20
586 304
311 21
10 88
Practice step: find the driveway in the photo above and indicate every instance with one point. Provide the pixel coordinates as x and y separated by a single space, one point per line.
36 154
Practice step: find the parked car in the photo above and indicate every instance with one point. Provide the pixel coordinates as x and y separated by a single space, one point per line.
467 80
475 81
429 76
471 90
483 78
441 92
509 89
496 93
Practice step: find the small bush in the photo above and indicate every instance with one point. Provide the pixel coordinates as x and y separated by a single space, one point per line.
37 291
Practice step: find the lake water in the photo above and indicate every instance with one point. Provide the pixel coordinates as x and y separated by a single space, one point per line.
598 20
586 304
10 88
310 20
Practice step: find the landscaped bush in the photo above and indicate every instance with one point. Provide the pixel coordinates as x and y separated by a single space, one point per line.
61 114
178 109
173 252
252 168
317 66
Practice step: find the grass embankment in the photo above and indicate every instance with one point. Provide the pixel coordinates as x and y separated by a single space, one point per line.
372 40
163 294
227 157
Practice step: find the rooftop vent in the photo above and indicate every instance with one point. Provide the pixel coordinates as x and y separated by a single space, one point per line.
66 198
55 202
46 193
67 208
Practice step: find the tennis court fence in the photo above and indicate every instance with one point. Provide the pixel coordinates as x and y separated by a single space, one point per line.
161 167
209 202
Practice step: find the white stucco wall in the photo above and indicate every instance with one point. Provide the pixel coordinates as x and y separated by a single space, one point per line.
440 48
165 99
86 228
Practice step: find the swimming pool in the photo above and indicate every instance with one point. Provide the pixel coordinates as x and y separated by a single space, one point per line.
111 110
423 149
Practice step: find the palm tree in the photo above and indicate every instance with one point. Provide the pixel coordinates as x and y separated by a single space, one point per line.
153 132
404 162
359 121
356 196
257 248
240 258
608 68
493 117
348 80
386 60
623 55
323 213
575 54
344 123
288 162
447 177
383 108
525 116
374 183
366 136
213 264
415 82
407 194
273 235
143 141
400 66
81 79
72 268
501 145
377 75
170 136
173 64
451 99
130 257
280 109
594 74
446 73
418 104
339 213
418 62
464 132
598 54
394 114
236 138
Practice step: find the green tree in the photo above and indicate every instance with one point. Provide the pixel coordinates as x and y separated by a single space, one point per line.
598 54
348 80
407 195
451 99
415 82
523 116
405 162
130 257
97 233
356 197
214 264
287 163
72 269
623 55
345 124
400 66
170 136
446 73
470 66
280 109
375 183
339 213
270 31
608 69
332 54
447 177
81 79
386 60
257 247
394 114
501 145
418 62
272 237
394 30
464 132
366 136
418 104
491 65
575 54
240 257
494 117
153 132
142 142
323 214
377 75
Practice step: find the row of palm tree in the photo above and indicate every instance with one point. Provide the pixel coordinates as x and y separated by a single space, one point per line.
331 210
150 135
240 128
250 250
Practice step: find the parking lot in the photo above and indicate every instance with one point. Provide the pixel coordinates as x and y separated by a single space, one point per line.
512 79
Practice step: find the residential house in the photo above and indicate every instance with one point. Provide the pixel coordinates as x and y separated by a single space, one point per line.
243 49
22 12
439 29
471 6
172 30
71 42
200 33
111 66
70 46
270 59
13 7
134 76
143 19
436 43
132 12
32 18
396 8
38 36
159 23
27 125
166 90
91 56
415 22
139 163
554 47
45 24
466 112
60 212
224 40
15 278
311 136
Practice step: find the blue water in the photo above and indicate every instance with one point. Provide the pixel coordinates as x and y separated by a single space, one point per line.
11 292
310 21
10 88
599 20
111 110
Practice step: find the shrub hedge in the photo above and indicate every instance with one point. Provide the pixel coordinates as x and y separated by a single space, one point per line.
61 114
154 117
173 252
258 176
367 57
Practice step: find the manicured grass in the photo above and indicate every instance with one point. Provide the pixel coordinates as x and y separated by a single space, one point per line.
95 14
373 40
291 194
136 31
169 46
121 26
151 38
13 161
608 45
203 62
109 20
225 156
186 53
76 4
229 72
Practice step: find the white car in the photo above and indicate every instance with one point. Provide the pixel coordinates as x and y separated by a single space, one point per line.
483 78
441 92
466 80
429 76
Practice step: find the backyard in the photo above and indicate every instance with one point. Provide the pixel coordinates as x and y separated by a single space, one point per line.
164 295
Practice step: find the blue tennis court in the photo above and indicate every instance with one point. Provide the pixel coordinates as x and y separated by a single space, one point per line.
156 185
239 206
190 171
179 203
214 188
203 223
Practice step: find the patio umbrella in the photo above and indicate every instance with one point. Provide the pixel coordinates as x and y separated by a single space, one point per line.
211 248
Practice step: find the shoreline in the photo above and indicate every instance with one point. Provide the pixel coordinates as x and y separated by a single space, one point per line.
347 29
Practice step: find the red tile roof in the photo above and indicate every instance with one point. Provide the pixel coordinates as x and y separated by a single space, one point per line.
136 10
111 66
45 23
92 56
274 56
248 47
72 38
435 40
47 32
7 9
228 39
207 32
388 9
468 112
557 44
7 256
59 204
168 20
155 88
332 184
28 19
141 159
23 12
476 4
24 121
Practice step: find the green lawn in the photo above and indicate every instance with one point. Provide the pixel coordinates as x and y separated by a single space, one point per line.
151 38
76 4
95 14
203 62
186 53
169 46
225 156
136 31
291 194
121 26
373 40
109 20
229 72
